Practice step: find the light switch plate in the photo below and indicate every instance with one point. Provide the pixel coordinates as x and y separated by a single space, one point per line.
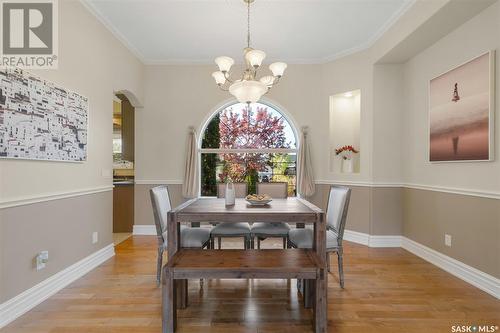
95 237
41 260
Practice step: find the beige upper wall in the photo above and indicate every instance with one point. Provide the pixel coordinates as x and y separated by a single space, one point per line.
478 35
177 97
93 63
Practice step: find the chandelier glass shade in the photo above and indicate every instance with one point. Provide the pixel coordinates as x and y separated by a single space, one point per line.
247 89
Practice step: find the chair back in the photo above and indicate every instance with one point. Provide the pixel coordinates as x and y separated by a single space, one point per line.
160 199
240 190
336 211
277 190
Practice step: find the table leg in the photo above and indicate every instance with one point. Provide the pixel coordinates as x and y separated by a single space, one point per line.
320 294
169 317
320 302
173 245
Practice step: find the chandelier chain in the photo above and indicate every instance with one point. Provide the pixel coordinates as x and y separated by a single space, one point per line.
248 24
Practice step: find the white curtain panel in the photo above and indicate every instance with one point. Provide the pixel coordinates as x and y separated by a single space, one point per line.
305 177
190 184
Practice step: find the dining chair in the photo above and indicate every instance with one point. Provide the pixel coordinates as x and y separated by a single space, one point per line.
261 230
336 217
190 237
238 229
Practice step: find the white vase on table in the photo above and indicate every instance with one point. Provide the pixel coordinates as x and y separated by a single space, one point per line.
230 194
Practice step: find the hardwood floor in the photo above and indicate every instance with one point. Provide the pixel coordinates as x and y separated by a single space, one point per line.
387 290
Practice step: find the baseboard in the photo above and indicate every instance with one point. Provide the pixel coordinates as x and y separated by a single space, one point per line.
30 298
357 237
372 240
477 278
144 229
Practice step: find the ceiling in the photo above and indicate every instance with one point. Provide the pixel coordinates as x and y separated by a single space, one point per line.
294 31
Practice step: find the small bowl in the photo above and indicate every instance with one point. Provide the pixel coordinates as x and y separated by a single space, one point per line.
258 202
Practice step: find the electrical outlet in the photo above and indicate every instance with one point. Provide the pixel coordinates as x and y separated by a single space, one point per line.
95 237
447 240
41 260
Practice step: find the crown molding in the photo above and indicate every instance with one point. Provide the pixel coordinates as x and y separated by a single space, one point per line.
118 35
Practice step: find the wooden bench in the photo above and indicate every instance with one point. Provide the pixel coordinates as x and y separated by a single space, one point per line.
244 264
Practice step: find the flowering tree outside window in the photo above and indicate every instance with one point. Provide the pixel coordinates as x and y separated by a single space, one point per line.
248 144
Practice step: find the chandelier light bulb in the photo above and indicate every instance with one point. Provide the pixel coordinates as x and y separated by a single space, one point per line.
224 63
278 68
219 77
255 57
268 80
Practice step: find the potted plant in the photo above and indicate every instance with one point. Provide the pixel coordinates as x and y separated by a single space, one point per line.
346 153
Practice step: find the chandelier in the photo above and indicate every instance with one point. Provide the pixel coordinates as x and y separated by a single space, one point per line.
247 89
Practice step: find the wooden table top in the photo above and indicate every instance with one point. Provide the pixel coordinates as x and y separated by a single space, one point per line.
215 210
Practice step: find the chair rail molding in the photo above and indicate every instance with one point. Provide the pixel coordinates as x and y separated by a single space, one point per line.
436 188
22 303
27 200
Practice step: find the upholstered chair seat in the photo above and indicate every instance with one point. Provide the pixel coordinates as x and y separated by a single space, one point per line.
191 237
303 238
270 229
231 229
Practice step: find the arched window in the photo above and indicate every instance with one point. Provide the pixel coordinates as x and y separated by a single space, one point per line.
249 144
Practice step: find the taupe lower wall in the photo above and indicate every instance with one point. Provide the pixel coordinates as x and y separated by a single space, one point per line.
63 227
386 211
473 223
143 213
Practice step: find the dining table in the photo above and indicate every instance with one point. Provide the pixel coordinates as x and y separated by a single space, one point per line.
291 210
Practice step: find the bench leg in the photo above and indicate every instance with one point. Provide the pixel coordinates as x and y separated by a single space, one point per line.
181 287
308 293
320 302
169 311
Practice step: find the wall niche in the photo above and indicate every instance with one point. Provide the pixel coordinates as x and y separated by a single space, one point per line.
345 112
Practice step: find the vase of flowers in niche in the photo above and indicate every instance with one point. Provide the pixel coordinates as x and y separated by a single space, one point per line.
347 154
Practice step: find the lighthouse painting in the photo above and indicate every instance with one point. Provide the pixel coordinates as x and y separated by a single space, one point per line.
461 112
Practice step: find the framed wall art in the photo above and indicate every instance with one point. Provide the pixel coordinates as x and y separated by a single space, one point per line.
40 120
461 112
